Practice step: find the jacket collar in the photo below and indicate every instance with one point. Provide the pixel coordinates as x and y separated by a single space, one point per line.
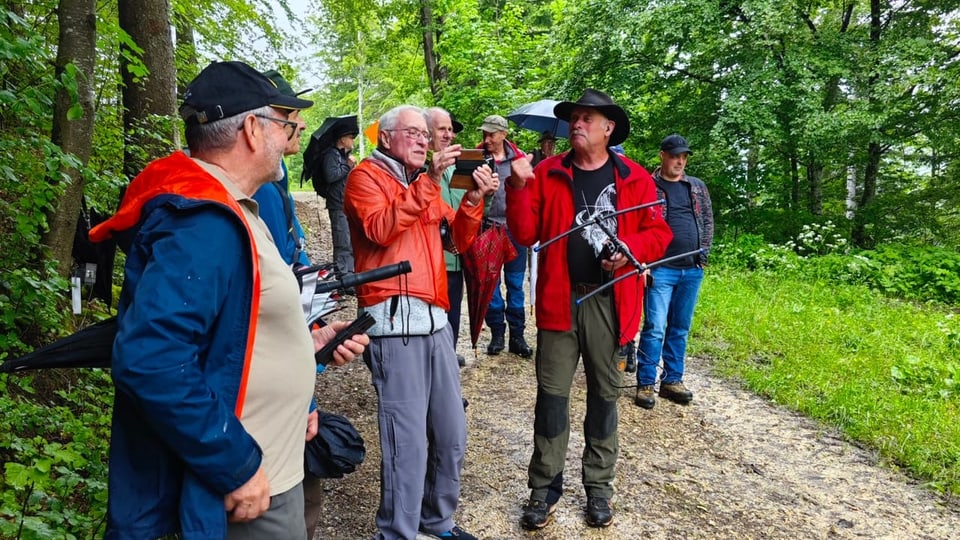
659 178
395 167
623 171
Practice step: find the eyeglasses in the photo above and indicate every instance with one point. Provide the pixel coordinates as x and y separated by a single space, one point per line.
294 126
413 133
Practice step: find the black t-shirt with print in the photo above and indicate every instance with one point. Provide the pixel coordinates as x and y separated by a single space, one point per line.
593 192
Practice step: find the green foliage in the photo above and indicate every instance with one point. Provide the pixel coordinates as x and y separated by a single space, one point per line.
751 252
31 307
817 240
54 479
913 272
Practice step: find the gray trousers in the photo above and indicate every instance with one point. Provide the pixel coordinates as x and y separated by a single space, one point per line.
340 234
312 502
283 521
423 433
594 337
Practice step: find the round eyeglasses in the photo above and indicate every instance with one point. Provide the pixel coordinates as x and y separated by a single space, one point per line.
413 133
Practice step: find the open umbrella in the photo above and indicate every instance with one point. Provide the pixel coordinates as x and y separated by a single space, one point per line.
538 116
323 138
481 266
89 347
332 128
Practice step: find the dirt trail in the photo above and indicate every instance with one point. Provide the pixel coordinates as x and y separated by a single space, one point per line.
729 466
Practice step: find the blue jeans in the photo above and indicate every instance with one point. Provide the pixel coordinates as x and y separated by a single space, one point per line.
667 315
510 311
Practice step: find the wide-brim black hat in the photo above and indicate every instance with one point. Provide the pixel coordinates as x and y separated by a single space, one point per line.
598 100
225 89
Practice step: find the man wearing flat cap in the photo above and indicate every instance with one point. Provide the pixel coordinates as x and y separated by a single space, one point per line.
579 315
669 303
212 363
509 311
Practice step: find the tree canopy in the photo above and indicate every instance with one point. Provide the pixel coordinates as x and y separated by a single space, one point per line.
802 114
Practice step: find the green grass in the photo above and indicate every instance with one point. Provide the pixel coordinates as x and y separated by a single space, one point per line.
882 371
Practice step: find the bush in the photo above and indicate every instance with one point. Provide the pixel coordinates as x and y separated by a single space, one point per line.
54 481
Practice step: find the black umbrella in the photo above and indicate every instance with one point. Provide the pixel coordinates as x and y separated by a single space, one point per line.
323 138
333 128
87 348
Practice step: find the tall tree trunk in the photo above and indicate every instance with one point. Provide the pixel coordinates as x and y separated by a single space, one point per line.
794 181
149 99
429 54
76 46
860 236
814 186
851 189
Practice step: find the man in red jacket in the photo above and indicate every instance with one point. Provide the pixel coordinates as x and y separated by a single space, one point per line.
578 187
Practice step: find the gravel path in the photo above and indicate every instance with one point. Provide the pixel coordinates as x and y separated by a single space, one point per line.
728 466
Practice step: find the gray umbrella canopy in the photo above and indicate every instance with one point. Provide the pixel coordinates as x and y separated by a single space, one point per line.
538 116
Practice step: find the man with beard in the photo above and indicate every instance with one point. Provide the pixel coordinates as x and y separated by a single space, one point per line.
669 303
212 363
574 188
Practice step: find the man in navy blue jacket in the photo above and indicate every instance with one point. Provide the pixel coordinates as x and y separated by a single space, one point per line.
212 364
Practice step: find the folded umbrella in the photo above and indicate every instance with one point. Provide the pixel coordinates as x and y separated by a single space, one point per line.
336 450
90 347
482 264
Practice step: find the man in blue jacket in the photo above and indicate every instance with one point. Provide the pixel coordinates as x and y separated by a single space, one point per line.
212 363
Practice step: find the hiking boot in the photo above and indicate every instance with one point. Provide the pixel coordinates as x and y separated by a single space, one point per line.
676 392
628 357
461 361
455 533
599 512
496 344
519 346
536 514
645 397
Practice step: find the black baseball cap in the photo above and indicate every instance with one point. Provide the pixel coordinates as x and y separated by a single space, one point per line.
675 145
225 89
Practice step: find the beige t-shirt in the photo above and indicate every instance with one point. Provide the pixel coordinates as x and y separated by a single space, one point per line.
282 372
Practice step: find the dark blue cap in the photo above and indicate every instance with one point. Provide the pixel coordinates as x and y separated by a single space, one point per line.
675 145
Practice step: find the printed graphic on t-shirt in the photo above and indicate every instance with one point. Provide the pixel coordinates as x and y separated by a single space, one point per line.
604 204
